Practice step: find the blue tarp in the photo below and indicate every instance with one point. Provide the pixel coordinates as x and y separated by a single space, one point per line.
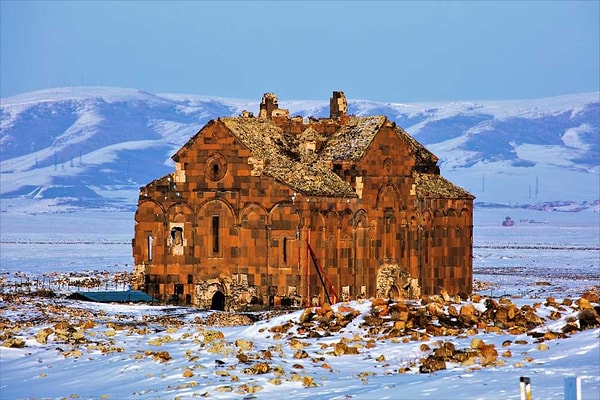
114 296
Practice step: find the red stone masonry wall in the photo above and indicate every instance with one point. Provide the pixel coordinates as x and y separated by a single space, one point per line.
216 225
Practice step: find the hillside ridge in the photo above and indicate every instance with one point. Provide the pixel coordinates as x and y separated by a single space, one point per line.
93 147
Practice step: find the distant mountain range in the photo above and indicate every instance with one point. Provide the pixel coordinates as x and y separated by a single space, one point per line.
93 147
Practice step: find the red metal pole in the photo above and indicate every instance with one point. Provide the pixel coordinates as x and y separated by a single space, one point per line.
307 266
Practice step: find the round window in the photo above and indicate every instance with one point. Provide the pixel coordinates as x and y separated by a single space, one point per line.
216 167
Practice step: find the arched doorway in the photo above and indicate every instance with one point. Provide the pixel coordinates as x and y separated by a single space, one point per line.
394 293
218 301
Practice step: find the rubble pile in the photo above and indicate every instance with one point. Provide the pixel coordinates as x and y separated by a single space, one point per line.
227 319
444 333
441 316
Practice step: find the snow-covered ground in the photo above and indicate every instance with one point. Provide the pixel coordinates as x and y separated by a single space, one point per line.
151 352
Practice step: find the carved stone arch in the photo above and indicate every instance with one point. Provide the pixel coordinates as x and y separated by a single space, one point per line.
214 219
394 292
373 227
346 219
439 219
347 236
451 230
332 222
390 275
388 196
285 235
149 211
254 208
149 238
217 301
463 223
216 204
389 231
284 211
347 245
427 218
317 220
201 208
450 221
372 238
317 233
284 205
254 240
466 217
330 238
362 244
414 219
360 219
180 213
213 293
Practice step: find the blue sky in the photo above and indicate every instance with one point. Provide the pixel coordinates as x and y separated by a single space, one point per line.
385 51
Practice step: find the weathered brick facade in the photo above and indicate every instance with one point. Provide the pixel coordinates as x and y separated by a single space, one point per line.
230 225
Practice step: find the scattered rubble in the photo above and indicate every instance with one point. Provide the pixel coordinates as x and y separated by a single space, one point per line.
434 324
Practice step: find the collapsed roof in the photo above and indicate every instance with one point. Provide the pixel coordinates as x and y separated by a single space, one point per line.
304 161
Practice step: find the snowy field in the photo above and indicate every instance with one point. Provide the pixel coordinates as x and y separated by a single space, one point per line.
70 349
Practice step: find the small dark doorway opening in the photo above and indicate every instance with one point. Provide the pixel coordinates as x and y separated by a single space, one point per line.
394 293
218 301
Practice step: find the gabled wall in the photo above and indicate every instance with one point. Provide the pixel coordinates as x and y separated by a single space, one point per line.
218 232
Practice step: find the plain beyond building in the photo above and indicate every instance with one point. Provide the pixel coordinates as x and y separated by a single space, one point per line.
280 210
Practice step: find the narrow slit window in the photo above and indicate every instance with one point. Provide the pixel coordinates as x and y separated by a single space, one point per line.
215 233
150 248
285 240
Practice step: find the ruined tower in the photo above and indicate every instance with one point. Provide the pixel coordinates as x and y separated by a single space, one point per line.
269 107
338 106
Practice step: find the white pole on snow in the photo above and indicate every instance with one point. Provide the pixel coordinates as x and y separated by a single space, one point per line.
573 388
525 385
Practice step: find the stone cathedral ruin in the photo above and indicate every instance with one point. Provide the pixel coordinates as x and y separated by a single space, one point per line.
276 210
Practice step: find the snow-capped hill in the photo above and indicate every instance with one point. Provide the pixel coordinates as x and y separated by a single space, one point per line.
103 143
77 120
